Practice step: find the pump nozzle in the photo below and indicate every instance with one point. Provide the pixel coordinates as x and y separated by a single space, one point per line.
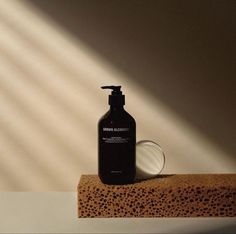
116 98
115 89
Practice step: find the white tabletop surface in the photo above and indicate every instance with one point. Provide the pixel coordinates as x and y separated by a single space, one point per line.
56 212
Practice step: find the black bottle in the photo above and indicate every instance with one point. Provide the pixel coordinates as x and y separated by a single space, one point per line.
116 142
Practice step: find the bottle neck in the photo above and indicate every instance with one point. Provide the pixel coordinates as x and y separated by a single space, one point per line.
116 107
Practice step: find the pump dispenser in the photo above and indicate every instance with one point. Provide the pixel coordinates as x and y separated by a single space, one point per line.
116 141
116 98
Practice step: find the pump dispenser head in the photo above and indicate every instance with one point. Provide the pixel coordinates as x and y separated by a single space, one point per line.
116 98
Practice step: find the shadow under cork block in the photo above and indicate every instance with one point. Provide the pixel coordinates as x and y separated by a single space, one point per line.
183 195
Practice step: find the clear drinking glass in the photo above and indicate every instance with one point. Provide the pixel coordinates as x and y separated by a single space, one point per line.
150 159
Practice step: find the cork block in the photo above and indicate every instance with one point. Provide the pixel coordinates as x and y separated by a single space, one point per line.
186 195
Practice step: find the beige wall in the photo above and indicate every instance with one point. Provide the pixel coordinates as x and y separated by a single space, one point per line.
175 60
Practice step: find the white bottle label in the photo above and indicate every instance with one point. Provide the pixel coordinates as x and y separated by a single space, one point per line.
117 135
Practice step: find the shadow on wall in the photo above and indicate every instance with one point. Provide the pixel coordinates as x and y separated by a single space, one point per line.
182 52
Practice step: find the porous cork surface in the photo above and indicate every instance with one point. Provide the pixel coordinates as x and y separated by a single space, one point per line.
182 195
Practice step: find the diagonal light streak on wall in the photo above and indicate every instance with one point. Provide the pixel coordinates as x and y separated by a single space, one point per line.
40 107
50 103
41 75
51 41
33 152
40 70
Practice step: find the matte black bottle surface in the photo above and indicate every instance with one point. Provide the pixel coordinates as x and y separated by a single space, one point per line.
116 142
